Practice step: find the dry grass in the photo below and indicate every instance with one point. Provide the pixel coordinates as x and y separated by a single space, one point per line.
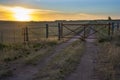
13 52
23 54
109 60
34 57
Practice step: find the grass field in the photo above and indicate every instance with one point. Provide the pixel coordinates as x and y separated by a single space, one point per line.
109 57
14 54
18 54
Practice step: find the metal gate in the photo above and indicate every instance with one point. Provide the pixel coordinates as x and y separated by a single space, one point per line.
65 31
83 30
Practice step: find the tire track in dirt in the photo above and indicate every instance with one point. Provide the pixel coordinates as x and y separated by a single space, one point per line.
86 67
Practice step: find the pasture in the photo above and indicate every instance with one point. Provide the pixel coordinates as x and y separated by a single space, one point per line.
52 51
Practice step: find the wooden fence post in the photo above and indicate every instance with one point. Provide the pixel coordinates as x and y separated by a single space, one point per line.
27 34
47 31
59 31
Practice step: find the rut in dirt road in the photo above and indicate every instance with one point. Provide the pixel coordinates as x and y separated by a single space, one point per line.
86 67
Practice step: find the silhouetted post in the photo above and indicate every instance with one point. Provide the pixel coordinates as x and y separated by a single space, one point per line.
59 31
109 28
27 35
47 31
112 28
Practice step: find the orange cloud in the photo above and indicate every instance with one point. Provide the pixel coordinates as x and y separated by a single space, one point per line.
48 15
52 15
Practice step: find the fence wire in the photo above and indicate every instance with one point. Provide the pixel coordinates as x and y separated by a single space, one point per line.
12 35
13 32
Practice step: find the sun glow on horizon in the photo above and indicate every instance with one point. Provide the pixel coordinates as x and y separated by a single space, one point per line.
33 14
21 14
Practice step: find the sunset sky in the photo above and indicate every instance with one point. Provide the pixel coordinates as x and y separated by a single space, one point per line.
47 10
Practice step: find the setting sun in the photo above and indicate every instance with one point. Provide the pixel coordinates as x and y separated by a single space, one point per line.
21 14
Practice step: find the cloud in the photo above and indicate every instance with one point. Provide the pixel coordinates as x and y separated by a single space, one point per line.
50 15
55 15
5 13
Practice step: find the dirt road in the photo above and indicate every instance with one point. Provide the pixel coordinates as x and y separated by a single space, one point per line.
84 71
86 67
28 72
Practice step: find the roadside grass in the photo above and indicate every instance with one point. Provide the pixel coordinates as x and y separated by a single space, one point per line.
33 58
16 51
62 64
103 34
117 40
43 49
23 54
104 39
13 52
109 59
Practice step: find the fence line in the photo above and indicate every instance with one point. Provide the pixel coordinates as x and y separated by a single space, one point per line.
49 32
